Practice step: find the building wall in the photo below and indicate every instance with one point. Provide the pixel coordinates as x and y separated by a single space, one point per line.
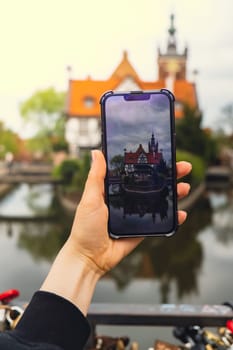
82 133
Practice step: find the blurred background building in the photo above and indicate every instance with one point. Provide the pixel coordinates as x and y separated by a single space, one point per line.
83 108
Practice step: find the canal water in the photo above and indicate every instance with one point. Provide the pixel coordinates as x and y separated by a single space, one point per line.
194 266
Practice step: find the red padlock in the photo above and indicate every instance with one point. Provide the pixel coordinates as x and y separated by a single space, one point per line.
8 295
229 325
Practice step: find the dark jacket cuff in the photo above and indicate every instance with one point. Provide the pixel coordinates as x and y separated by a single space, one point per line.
52 319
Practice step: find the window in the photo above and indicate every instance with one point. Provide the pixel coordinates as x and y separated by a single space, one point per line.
89 101
142 158
83 127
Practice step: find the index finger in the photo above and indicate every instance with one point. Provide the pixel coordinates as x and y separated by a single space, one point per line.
183 168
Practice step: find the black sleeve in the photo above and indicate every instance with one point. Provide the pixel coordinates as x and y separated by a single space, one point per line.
50 322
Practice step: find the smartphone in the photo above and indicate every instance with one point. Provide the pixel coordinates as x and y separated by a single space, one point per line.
138 141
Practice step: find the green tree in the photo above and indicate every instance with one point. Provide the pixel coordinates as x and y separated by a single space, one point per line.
81 176
192 138
67 170
198 167
9 141
45 110
117 162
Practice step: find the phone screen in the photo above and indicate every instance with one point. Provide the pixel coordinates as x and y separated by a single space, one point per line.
140 182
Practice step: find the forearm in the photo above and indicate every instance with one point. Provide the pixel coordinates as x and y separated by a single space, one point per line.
72 278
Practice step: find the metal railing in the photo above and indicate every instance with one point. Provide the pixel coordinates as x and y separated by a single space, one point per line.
159 315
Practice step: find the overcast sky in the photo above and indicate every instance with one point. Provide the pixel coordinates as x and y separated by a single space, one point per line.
126 127
40 38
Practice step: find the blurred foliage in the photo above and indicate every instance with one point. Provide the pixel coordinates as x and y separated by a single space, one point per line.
61 145
47 102
73 173
80 177
45 111
67 170
9 141
39 143
117 162
198 167
192 138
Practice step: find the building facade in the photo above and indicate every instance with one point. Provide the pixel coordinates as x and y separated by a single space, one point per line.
83 108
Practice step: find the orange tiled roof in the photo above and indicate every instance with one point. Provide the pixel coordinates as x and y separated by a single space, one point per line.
185 92
125 69
80 91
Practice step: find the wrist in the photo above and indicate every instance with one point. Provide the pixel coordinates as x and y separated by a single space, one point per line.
72 277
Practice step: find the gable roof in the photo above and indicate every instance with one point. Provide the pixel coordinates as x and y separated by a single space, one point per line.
132 157
125 69
84 95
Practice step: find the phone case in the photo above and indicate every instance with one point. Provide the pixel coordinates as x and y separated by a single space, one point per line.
128 184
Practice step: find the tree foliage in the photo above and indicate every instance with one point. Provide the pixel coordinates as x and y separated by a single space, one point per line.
198 167
117 162
74 173
47 102
192 138
67 170
9 141
81 176
45 111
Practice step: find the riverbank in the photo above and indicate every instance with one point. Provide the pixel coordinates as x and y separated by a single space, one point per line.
69 202
187 202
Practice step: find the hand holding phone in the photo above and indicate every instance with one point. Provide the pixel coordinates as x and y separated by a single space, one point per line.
138 131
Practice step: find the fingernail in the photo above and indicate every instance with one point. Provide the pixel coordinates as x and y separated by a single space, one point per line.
93 156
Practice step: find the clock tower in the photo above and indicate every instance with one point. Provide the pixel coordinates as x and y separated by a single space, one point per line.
172 65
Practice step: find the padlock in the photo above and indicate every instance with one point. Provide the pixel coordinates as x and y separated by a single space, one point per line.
13 315
225 333
229 325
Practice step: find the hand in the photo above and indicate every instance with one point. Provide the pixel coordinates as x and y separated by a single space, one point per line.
89 251
89 237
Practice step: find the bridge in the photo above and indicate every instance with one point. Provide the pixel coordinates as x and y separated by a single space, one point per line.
219 177
29 173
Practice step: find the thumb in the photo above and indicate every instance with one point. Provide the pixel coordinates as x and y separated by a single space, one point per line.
94 186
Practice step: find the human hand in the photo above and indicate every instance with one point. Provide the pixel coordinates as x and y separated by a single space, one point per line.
89 238
89 251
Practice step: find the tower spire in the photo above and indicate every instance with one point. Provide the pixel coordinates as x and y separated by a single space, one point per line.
171 64
171 46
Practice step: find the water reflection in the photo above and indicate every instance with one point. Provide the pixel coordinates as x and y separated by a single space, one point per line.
177 269
41 238
150 212
178 258
33 230
141 205
27 201
43 241
222 216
